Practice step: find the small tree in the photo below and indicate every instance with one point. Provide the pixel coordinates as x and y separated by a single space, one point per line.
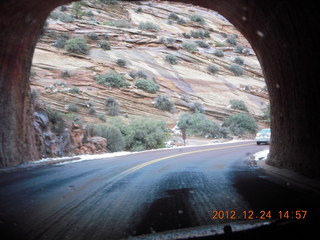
197 108
76 9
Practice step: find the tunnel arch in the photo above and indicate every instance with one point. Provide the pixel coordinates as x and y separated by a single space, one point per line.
284 45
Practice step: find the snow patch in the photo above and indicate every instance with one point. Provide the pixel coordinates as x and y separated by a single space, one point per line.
262 155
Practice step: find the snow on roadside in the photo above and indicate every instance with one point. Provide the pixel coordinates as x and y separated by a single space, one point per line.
262 155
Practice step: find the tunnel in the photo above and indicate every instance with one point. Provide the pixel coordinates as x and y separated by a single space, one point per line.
283 35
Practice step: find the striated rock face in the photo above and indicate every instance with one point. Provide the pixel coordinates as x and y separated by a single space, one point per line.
282 33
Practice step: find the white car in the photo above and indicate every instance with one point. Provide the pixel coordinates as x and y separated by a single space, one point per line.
264 136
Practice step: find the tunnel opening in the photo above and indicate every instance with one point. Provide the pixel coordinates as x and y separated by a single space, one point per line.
219 79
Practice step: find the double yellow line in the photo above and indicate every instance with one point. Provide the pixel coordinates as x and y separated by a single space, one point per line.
142 165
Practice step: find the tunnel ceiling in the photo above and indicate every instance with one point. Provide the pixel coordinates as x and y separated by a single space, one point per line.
282 33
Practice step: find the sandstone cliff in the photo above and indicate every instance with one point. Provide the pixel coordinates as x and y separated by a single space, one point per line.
61 78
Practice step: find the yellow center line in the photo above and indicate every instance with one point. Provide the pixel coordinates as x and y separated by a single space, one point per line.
142 165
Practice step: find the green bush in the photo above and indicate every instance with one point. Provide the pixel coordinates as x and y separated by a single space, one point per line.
74 90
77 45
109 2
112 79
197 18
149 26
120 23
121 62
197 108
218 53
113 106
200 33
173 16
213 69
66 18
236 69
239 61
239 105
57 120
145 133
147 85
240 124
231 39
105 45
199 125
163 103
190 46
172 59
93 36
202 44
115 139
72 108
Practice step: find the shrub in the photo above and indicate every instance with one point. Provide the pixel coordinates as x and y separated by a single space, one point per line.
120 23
141 74
93 36
173 16
109 2
65 74
236 69
77 45
197 18
57 120
231 39
163 103
147 85
145 133
113 106
266 114
112 79
76 10
105 45
190 46
239 105
197 108
149 26
200 33
240 124
213 69
121 62
60 42
218 53
172 59
186 35
219 44
199 125
66 18
72 108
238 60
92 110
181 21
74 90
115 140
202 44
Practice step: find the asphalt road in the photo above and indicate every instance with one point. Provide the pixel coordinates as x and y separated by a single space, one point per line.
144 193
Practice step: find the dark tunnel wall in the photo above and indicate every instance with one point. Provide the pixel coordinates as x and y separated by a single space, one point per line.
282 33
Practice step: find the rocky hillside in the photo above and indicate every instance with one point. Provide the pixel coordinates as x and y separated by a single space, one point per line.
189 53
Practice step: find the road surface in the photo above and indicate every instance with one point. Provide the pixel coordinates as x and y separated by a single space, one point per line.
143 193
